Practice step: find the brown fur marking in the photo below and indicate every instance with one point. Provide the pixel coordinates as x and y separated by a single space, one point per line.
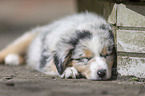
88 53
83 69
104 51
53 67
21 60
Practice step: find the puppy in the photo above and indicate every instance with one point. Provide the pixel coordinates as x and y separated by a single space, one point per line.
78 45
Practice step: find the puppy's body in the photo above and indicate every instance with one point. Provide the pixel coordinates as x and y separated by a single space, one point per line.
79 44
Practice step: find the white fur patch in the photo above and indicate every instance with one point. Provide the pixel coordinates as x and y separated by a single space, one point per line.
12 59
70 72
99 64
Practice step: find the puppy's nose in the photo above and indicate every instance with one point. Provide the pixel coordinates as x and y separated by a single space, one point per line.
101 73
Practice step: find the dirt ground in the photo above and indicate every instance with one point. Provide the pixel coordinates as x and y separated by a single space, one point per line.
22 81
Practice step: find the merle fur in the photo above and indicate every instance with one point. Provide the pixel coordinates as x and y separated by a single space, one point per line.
74 40
44 57
58 63
79 35
106 27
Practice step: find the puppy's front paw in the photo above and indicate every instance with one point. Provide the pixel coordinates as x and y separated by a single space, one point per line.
70 72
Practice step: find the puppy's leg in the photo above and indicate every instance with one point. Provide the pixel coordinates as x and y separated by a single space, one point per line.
17 49
50 69
14 59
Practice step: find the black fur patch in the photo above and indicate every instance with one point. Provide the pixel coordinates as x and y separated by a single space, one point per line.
44 57
106 27
58 63
79 35
103 26
111 34
61 65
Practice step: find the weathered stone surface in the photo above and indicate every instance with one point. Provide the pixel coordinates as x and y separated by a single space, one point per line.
131 66
112 16
131 15
131 41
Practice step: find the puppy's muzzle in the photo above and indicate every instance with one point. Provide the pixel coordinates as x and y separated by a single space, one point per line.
101 73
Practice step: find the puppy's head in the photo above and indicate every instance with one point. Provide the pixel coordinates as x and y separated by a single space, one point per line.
90 52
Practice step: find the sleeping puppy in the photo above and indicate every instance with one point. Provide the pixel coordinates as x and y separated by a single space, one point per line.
78 45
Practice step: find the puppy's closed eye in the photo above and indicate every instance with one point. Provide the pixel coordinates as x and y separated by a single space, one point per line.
83 59
102 55
105 55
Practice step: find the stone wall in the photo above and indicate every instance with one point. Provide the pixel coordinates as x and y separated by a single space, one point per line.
128 21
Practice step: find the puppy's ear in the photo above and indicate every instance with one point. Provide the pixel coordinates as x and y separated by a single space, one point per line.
62 61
